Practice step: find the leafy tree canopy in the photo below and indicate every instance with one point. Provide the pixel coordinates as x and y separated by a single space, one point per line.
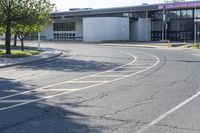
23 16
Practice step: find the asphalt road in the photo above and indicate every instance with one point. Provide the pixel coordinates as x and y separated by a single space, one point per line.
104 89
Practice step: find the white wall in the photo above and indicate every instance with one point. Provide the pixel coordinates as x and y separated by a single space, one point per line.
134 31
141 30
144 29
79 29
99 29
48 32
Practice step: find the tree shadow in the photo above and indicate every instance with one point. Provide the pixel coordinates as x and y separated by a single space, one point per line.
39 117
71 65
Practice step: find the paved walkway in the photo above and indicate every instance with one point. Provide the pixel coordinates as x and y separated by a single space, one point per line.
7 62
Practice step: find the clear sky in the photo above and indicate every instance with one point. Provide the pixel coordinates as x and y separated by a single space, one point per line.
64 5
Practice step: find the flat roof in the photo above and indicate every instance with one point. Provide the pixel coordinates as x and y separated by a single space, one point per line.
152 7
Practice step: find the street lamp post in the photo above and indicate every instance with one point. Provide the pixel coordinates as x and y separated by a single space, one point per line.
195 25
163 27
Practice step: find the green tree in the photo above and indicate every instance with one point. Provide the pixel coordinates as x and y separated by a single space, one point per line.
35 22
19 13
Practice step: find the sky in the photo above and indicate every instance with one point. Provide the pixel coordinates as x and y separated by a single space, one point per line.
64 5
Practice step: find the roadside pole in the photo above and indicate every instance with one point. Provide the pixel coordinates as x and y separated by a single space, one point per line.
195 25
39 41
163 27
147 27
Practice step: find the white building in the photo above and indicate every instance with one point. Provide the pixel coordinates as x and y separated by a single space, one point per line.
169 21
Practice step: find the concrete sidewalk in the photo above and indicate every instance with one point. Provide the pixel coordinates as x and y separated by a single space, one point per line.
47 54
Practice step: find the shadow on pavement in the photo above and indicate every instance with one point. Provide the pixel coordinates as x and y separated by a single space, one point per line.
39 117
185 61
71 65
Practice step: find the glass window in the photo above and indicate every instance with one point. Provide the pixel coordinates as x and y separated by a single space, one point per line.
197 13
186 14
187 25
137 15
158 15
157 25
174 14
175 25
183 14
178 13
189 14
67 26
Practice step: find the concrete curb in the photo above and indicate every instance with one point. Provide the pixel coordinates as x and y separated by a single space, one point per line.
150 46
130 45
188 49
33 61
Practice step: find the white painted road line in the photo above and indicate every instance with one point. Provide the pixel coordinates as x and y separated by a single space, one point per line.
89 82
55 90
109 75
136 67
84 88
14 101
146 61
47 97
195 54
121 71
162 116
69 81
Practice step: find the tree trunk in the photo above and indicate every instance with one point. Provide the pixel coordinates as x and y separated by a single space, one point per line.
15 41
22 43
8 33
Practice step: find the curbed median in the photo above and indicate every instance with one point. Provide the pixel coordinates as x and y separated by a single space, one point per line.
45 55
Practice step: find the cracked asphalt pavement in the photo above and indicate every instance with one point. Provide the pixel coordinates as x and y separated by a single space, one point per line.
103 89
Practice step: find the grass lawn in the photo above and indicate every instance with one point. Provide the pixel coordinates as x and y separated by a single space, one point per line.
196 46
12 47
19 53
2 46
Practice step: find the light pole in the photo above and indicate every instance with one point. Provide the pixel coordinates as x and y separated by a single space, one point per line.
195 25
163 27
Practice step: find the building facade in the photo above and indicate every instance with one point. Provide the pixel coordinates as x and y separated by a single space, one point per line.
170 21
